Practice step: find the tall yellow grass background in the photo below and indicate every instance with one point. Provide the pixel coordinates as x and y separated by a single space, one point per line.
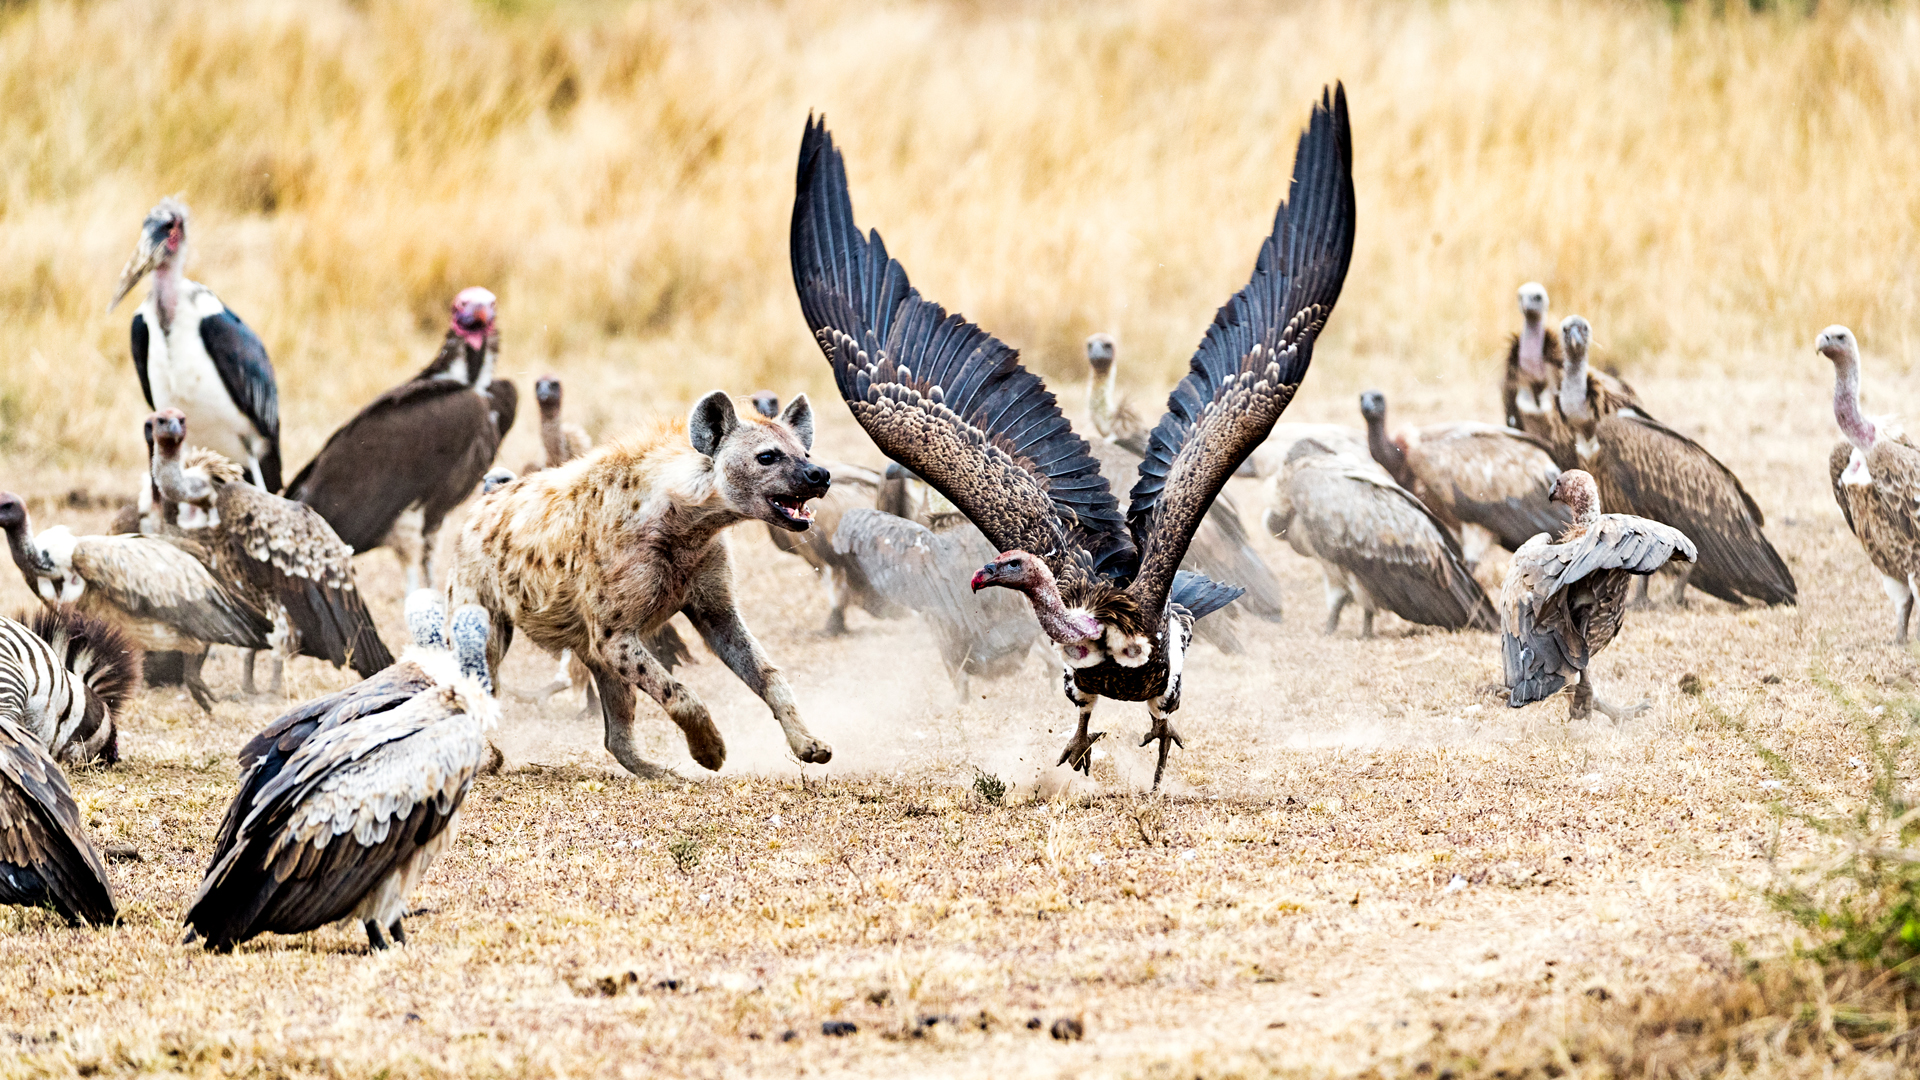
1709 187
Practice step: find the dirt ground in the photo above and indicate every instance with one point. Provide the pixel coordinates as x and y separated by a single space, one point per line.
1363 858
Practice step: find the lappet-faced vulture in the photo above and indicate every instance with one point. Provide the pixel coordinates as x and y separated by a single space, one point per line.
390 475
1564 600
951 403
1876 480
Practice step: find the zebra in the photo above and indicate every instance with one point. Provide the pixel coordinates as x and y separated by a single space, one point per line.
64 680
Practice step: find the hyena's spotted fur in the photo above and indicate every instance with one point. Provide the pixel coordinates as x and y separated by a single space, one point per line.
595 555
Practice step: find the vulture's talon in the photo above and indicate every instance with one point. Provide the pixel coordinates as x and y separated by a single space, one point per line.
1079 752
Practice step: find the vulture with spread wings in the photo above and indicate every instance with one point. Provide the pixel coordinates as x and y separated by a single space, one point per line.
952 403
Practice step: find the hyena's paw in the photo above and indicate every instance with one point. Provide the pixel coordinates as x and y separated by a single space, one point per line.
812 751
703 739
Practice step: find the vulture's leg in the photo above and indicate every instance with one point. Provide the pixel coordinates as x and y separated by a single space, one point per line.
1366 616
190 665
246 674
711 609
429 537
1337 596
1581 706
376 936
1163 707
1585 701
838 592
407 541
1640 599
398 933
1475 542
1680 584
1902 615
1079 751
616 703
1901 593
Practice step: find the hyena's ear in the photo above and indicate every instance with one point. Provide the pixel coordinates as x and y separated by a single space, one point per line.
799 416
711 421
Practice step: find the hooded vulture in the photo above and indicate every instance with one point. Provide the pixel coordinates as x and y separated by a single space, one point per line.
46 858
1529 395
1487 485
390 475
1374 542
952 403
71 676
1643 467
204 361
355 814
1876 480
157 589
1564 600
275 554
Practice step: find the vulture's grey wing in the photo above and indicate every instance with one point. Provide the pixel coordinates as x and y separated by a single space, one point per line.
913 567
1636 545
1837 462
1538 647
353 804
286 549
426 444
45 854
1253 357
1671 479
940 395
1496 478
1376 530
153 577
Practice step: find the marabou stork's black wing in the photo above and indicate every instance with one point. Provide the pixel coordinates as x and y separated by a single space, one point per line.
140 356
940 395
426 443
1253 357
247 374
45 855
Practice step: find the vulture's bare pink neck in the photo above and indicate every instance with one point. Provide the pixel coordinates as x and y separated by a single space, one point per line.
1846 405
1533 347
1059 622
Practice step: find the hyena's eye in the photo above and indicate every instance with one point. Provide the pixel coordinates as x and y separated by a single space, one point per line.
767 457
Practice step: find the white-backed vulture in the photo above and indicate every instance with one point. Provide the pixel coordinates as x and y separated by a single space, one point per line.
355 815
46 857
157 589
1487 485
1530 392
562 441
74 676
1114 418
1645 468
951 403
1271 456
1375 543
204 361
390 476
1876 480
1564 600
278 555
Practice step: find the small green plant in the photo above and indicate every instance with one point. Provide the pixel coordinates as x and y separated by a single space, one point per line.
685 850
989 787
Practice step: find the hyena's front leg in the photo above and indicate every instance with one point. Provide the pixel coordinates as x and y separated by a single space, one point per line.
711 609
625 661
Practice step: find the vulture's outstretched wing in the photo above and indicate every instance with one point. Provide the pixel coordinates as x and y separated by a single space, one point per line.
154 577
1254 355
913 567
1671 479
45 854
942 396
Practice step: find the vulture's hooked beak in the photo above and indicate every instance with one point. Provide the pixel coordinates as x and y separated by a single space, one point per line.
983 576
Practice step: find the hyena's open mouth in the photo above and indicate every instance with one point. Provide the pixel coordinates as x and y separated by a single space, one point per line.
794 510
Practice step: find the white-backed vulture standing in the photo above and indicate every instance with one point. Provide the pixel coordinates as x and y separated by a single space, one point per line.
1487 485
203 360
1530 393
562 441
1645 468
1876 480
278 555
1374 541
1113 416
1564 600
73 675
356 813
156 589
390 476
951 403
46 857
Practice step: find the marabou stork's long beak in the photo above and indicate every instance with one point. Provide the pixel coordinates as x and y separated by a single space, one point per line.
145 257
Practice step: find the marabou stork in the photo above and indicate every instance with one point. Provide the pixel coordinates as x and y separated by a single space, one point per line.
389 476
951 403
204 361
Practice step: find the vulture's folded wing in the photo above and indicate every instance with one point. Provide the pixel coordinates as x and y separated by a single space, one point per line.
45 854
1254 355
288 550
913 567
1837 463
1494 477
153 577
941 396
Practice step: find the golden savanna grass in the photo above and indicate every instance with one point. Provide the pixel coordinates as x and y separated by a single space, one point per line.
1710 188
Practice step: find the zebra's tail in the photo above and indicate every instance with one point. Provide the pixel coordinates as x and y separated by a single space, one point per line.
96 651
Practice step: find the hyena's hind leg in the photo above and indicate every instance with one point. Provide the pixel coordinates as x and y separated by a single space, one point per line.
624 662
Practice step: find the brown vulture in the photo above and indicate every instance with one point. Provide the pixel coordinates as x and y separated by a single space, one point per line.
1532 386
355 814
1271 456
390 475
1644 467
46 857
1487 485
1876 480
276 554
1564 600
1375 542
951 403
157 589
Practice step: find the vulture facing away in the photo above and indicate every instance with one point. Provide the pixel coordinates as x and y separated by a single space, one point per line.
74 675
1645 468
156 589
1487 485
1529 396
1876 481
1565 600
1374 542
46 858
277 555
204 361
390 475
355 813
951 403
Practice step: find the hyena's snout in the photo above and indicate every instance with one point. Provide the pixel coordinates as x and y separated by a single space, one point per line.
814 480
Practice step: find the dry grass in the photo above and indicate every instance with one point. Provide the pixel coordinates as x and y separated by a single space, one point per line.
1710 190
